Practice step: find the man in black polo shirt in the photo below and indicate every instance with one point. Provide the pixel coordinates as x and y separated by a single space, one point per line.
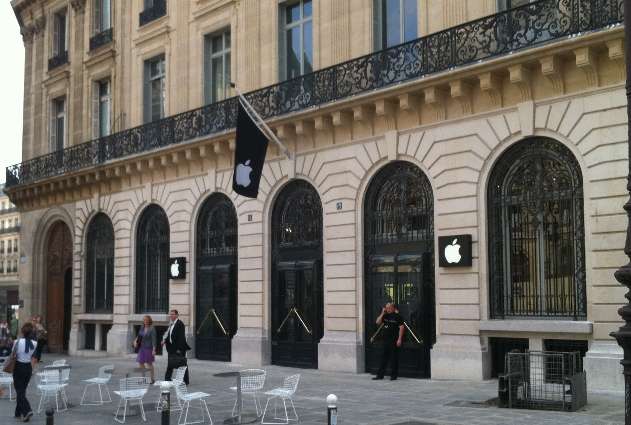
393 330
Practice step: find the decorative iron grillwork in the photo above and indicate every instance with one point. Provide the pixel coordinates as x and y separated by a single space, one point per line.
505 32
158 10
399 207
58 60
101 39
217 228
152 260
298 217
536 232
99 276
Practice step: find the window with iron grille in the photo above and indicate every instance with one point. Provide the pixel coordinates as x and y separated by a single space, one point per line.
395 22
152 259
99 279
217 229
536 233
296 39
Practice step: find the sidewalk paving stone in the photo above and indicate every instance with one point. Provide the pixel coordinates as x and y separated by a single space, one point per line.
361 400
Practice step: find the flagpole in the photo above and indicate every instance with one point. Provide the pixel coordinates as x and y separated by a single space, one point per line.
260 122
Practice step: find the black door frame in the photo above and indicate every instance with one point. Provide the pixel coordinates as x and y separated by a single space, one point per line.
297 239
216 252
399 222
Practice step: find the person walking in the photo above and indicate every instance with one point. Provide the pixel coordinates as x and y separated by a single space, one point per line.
146 343
174 339
393 330
24 351
41 335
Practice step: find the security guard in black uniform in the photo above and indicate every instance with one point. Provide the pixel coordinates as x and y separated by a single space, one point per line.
393 330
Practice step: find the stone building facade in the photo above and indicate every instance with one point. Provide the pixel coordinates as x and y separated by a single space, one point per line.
9 257
501 120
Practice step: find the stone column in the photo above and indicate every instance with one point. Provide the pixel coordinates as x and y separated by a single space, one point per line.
39 140
28 34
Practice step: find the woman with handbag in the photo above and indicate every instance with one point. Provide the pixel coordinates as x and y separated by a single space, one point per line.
21 362
145 345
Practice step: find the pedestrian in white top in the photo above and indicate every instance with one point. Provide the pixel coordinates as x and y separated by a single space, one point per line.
24 351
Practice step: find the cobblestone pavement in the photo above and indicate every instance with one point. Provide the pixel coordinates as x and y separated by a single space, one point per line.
361 400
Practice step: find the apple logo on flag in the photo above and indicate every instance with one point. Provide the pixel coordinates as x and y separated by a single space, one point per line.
452 252
175 269
243 174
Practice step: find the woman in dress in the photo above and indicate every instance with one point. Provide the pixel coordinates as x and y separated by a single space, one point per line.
146 344
24 349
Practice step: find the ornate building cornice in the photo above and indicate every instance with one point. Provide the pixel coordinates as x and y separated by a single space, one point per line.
78 5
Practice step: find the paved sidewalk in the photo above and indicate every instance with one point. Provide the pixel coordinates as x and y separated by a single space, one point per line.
361 400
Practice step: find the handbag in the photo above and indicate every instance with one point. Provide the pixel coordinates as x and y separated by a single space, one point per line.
9 364
137 344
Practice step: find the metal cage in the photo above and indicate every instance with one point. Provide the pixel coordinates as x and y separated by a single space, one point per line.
545 380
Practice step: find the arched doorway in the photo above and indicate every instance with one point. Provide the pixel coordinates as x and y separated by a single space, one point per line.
216 279
536 233
297 296
152 261
399 263
58 287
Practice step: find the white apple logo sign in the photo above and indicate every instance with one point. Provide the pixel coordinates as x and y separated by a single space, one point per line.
452 252
243 174
175 269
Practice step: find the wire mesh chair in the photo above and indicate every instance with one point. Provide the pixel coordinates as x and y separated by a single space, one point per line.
103 378
252 382
61 362
185 398
284 393
52 383
6 380
178 378
131 389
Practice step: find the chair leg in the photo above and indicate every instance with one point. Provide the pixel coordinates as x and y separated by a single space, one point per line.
100 394
41 398
107 391
207 411
83 396
291 400
286 415
265 411
234 407
142 410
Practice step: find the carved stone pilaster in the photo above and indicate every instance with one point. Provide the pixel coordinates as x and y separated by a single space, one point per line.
78 5
28 33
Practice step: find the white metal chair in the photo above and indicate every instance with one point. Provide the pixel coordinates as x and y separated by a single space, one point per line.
131 389
100 381
61 362
252 382
185 398
284 393
178 378
6 380
53 384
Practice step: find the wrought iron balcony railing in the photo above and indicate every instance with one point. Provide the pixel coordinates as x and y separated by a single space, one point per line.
101 39
158 10
505 32
8 210
58 60
14 229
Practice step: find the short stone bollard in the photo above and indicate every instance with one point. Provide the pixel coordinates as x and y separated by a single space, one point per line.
50 417
165 406
331 409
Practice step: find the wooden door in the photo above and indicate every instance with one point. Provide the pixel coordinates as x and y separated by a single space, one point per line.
58 270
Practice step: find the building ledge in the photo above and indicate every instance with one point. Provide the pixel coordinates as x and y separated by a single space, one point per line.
95 317
537 326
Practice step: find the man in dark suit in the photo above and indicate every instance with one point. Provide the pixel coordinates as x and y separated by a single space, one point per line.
174 340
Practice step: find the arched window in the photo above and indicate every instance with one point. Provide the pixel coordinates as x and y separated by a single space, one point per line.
152 259
99 277
536 233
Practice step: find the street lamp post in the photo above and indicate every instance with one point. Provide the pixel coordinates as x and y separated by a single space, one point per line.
623 274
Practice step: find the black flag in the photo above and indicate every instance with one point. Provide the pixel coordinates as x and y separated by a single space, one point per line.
249 155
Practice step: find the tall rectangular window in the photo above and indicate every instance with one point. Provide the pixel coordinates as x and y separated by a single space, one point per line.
1 247
101 108
296 39
102 15
395 22
216 66
58 124
154 88
60 33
